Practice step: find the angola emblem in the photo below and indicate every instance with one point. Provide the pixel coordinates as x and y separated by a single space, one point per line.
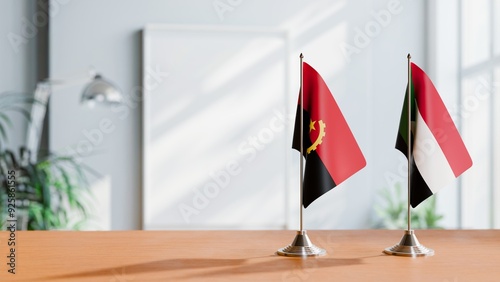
321 134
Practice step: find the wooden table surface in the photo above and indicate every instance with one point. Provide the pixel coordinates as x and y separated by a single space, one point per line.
354 255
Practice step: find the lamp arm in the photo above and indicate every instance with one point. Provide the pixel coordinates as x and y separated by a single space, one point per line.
39 108
75 80
98 88
37 117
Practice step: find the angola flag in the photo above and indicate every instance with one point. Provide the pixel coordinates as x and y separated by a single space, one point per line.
332 154
438 152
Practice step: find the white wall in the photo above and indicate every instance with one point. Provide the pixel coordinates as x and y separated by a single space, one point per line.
369 86
17 57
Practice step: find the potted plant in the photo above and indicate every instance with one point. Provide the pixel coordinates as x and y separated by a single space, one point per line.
393 214
50 192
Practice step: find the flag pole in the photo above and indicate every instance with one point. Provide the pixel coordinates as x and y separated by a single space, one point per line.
301 207
409 139
409 246
301 245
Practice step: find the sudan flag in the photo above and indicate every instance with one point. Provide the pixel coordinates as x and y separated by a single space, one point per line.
438 153
332 154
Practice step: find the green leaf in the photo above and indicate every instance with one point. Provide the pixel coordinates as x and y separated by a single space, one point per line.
3 134
56 187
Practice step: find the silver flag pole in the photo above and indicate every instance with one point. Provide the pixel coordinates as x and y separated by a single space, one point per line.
409 246
301 245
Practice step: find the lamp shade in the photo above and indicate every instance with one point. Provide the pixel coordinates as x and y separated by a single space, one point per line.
102 91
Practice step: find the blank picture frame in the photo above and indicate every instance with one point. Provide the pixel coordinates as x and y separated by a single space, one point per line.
216 122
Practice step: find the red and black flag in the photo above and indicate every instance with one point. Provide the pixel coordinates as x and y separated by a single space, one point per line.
332 154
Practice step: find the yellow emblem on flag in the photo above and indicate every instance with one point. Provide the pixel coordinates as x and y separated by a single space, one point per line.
319 139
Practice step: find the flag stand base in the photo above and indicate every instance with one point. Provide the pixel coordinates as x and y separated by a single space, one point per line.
301 247
409 247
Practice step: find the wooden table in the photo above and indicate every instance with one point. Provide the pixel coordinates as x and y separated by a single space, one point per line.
461 255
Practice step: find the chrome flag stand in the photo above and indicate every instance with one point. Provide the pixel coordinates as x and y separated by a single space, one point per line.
409 245
301 245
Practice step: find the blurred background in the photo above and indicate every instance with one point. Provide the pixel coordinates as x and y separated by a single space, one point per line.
202 136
